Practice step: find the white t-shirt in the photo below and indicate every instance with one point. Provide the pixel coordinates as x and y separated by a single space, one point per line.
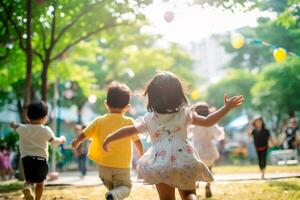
202 139
34 139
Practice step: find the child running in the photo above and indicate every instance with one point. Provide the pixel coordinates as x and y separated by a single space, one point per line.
113 166
171 162
34 138
261 136
202 140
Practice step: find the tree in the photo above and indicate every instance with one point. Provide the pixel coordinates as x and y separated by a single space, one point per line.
276 83
24 34
124 55
56 25
278 32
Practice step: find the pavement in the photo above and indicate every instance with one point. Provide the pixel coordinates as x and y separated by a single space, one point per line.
92 178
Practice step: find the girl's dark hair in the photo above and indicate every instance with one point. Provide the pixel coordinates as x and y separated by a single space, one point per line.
262 121
202 109
165 93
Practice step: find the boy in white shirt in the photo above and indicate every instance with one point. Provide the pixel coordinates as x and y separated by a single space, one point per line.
33 144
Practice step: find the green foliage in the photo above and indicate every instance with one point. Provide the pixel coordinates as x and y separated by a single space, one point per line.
11 186
11 140
123 55
274 93
235 82
277 88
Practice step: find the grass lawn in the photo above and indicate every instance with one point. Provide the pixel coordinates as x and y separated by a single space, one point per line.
254 168
285 189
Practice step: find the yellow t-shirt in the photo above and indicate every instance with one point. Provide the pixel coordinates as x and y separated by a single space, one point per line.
120 153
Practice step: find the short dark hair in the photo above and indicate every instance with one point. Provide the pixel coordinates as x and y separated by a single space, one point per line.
202 109
118 95
165 93
37 110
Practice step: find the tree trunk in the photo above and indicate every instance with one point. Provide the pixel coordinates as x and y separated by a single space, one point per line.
277 125
20 109
79 114
44 77
28 81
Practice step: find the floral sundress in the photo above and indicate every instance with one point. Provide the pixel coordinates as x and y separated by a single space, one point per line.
171 159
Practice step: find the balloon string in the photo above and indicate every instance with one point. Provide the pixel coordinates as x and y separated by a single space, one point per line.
260 42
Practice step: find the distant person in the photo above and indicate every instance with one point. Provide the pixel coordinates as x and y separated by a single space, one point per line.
2 163
33 144
203 138
8 162
171 162
114 166
81 151
261 137
291 134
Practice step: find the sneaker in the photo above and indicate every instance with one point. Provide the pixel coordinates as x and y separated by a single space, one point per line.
208 192
109 197
27 191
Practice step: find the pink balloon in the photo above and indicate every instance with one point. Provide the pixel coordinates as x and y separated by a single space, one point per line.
169 16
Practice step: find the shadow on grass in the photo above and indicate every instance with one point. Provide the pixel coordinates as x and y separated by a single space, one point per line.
9 187
289 186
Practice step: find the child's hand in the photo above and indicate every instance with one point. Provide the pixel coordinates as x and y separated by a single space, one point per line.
106 144
13 125
63 139
75 144
233 102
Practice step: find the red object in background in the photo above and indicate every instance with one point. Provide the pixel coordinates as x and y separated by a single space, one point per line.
169 16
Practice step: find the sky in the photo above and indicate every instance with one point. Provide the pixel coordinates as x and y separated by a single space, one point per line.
193 23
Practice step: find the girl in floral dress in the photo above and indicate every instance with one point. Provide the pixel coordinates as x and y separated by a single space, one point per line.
171 162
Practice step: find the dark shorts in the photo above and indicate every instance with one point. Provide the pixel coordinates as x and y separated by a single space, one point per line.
35 169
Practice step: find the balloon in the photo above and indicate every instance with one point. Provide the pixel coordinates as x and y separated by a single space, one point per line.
279 55
237 40
169 16
195 95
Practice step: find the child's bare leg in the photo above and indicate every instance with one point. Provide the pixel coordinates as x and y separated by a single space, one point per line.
27 190
188 194
165 191
208 193
39 188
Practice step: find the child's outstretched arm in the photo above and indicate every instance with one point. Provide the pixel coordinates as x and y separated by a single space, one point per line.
78 141
126 131
57 140
139 147
14 125
219 114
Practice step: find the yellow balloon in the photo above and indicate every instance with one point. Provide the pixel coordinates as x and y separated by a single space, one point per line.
237 40
279 55
195 95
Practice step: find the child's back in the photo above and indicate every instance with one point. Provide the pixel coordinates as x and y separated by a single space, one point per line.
113 166
120 153
203 140
34 139
33 144
172 159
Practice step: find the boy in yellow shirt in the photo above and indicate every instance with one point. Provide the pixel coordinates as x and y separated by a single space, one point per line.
113 166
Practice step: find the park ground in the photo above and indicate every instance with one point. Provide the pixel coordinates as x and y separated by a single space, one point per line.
270 189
